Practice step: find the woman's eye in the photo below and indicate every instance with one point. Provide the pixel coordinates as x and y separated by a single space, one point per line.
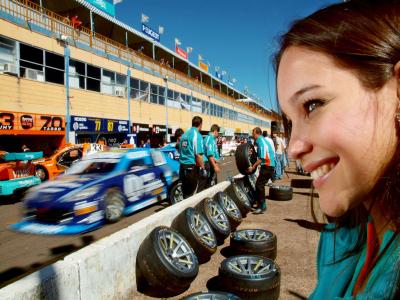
312 105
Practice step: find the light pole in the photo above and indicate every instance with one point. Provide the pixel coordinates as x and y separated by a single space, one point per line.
166 106
67 113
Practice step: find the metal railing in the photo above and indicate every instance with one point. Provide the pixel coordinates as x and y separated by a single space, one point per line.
32 13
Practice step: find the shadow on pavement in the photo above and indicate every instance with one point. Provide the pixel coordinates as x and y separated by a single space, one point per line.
227 251
315 195
307 224
297 295
301 183
213 284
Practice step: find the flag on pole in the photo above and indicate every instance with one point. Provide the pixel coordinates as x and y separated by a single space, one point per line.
200 57
160 29
177 42
117 1
145 19
189 49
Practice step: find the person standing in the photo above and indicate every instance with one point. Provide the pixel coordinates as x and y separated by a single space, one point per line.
279 159
211 156
266 158
191 158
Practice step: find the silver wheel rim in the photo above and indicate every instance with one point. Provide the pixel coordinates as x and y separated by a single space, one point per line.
252 235
242 197
250 265
114 210
203 229
176 250
40 174
211 296
218 215
252 181
178 194
231 207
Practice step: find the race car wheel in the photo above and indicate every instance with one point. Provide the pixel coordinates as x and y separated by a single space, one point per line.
211 295
245 157
176 194
250 277
280 192
197 231
230 208
216 217
241 199
41 173
167 261
255 242
114 205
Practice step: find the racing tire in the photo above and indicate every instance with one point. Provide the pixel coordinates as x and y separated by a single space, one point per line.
245 157
254 242
198 232
211 295
280 192
241 199
160 265
175 194
41 173
230 208
247 188
114 205
250 277
216 217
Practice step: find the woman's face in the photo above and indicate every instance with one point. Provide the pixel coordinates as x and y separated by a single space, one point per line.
343 133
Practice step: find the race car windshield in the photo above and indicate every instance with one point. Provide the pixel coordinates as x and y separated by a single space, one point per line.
92 166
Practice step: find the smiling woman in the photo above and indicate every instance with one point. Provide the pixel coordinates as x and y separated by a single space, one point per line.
338 79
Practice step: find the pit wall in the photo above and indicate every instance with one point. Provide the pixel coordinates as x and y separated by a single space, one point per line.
103 270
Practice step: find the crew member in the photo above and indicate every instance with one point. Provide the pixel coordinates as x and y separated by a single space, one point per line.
266 158
191 158
211 156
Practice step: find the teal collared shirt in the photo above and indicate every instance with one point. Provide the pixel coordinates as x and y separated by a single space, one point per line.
210 147
191 144
337 278
265 152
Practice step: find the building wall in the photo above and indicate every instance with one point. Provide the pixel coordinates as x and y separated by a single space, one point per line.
24 95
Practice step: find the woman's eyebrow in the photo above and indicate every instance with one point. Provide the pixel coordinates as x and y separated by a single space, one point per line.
304 90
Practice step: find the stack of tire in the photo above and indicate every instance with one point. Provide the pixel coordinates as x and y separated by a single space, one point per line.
168 259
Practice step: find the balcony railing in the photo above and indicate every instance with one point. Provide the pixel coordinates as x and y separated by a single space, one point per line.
32 13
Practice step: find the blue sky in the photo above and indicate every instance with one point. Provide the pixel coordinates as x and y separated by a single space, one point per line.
239 36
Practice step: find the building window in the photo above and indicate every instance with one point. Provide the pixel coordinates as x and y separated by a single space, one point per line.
55 67
8 54
31 62
93 78
144 91
108 82
77 74
135 93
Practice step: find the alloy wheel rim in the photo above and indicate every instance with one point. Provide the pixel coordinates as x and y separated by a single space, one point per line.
241 195
218 216
113 211
40 174
203 229
176 250
178 194
250 265
252 235
231 207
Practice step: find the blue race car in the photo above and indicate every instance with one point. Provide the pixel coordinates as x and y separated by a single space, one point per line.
100 189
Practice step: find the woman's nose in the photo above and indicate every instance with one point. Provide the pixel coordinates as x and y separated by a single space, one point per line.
298 147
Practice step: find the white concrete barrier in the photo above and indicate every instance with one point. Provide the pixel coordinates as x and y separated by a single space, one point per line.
103 270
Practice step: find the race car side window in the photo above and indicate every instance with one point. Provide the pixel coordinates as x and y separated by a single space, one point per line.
68 157
137 164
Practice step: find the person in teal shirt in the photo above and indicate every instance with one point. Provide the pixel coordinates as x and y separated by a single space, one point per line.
266 158
191 158
338 82
211 156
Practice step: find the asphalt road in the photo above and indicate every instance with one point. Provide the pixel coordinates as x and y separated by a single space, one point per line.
22 254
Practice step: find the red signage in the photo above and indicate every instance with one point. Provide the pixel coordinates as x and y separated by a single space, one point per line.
181 52
26 123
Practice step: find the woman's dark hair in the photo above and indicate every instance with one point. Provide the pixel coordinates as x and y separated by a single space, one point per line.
362 36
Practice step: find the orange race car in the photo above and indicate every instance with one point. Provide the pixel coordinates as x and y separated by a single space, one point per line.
62 159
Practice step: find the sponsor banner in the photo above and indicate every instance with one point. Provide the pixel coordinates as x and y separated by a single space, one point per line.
29 123
203 66
92 124
104 5
150 33
137 128
181 52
